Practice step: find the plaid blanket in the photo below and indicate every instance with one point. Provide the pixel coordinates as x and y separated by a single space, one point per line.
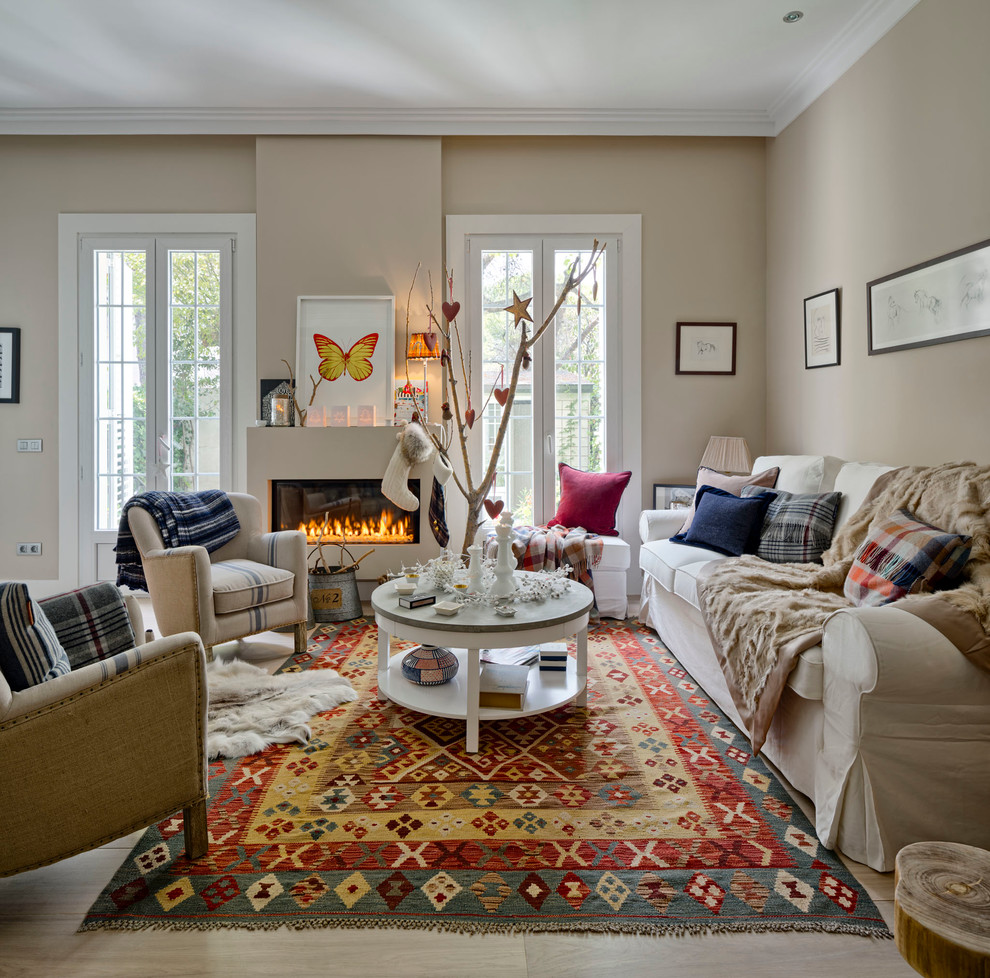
203 519
539 547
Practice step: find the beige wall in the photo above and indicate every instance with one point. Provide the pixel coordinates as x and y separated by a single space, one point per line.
343 216
39 179
703 208
887 169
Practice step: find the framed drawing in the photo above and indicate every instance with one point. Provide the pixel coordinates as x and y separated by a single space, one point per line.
706 348
938 301
10 365
344 343
821 330
667 496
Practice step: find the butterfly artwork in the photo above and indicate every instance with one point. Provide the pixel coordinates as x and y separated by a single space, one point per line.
334 362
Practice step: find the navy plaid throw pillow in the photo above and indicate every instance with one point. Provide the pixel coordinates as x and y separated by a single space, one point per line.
797 527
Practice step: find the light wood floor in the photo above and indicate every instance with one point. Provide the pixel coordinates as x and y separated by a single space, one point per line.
40 911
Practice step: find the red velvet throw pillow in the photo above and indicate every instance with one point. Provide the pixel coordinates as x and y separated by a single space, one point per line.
589 499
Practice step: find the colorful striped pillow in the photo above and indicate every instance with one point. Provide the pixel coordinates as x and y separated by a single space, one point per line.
30 652
902 556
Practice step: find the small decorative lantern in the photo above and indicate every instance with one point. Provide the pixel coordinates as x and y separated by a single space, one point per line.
280 410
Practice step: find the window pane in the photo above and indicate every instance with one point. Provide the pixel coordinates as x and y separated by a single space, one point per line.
182 275
505 272
208 277
209 333
183 390
208 391
183 334
208 446
183 445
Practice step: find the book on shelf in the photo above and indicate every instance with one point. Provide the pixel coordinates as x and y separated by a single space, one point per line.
502 686
521 655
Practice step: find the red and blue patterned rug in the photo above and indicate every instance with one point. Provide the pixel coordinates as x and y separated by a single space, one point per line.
643 813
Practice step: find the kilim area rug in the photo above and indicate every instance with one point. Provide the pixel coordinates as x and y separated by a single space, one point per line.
644 813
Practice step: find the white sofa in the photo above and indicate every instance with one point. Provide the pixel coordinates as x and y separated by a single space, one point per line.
885 725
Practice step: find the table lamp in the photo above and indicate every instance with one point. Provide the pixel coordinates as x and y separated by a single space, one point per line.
727 454
420 349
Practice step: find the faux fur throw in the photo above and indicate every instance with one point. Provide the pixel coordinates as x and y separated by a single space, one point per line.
250 709
761 616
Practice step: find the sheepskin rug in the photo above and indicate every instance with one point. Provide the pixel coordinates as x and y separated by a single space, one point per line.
250 709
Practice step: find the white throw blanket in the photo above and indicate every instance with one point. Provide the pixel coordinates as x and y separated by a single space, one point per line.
250 709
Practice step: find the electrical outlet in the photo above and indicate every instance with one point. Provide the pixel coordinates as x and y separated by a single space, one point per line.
29 550
29 444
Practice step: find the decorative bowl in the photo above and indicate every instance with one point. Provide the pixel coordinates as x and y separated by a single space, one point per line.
429 665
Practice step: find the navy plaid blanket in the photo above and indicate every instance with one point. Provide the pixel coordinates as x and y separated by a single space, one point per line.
203 519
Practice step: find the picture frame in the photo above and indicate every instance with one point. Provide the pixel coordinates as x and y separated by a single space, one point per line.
822 330
345 321
10 364
705 348
672 496
937 301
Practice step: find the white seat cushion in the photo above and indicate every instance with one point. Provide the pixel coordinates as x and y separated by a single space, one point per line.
802 473
615 555
241 584
661 558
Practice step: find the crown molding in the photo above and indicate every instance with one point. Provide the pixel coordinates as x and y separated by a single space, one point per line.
384 121
837 58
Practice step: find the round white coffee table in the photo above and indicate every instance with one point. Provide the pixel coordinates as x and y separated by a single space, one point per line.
476 627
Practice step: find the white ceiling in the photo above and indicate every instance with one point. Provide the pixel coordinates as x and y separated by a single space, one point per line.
666 67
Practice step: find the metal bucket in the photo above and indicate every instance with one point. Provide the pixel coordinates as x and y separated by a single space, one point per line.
334 596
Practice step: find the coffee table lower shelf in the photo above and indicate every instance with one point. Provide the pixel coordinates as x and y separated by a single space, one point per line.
546 691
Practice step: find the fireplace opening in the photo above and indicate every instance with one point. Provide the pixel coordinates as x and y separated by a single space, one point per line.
352 511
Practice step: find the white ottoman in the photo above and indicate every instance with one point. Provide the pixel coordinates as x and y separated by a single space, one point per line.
610 578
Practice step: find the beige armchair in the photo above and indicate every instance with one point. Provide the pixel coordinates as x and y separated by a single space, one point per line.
102 751
256 582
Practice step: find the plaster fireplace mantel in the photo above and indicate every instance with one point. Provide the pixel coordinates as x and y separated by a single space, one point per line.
345 453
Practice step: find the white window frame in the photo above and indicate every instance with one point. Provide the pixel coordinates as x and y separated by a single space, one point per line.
627 412
244 394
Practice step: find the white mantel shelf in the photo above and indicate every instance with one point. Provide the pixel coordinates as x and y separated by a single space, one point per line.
341 453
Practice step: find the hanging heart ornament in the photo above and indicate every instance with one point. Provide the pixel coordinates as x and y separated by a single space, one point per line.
469 417
450 310
494 506
501 394
431 340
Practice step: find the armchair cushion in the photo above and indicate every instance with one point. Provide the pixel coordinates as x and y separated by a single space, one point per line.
91 623
242 584
30 652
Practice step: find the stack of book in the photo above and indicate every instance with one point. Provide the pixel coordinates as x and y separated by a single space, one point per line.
553 658
522 655
503 687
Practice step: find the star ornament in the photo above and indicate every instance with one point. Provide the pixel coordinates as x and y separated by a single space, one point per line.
520 309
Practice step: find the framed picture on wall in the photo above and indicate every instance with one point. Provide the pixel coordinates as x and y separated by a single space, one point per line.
344 347
10 365
706 348
938 301
821 330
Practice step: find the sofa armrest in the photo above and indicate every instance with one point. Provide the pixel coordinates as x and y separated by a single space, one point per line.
660 524
906 717
180 582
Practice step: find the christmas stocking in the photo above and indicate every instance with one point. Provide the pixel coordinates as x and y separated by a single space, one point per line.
438 510
414 447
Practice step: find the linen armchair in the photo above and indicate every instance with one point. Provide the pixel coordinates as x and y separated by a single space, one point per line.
104 750
256 582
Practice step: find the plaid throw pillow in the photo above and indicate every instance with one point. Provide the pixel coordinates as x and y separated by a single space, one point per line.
91 623
797 528
29 649
904 556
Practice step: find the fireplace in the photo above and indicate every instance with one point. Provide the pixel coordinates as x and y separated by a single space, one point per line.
349 511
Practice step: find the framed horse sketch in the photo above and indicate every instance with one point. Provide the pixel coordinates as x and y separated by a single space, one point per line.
705 348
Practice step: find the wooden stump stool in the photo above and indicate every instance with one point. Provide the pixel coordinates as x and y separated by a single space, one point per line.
942 909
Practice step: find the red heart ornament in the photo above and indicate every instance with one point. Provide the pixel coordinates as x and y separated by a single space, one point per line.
431 340
450 310
501 394
494 507
469 417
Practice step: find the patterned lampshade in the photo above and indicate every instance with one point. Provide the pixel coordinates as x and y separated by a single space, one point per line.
419 349
727 454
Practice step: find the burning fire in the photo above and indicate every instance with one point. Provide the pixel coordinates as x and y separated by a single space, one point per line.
383 529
